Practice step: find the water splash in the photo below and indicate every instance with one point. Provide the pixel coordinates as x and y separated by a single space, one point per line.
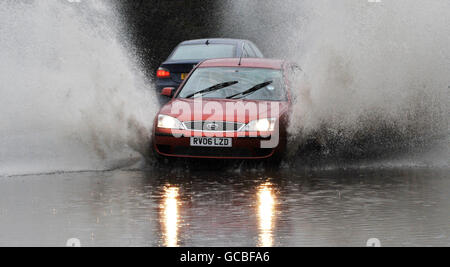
376 77
71 98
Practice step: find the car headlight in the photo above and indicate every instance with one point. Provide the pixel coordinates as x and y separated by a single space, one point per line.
168 122
262 125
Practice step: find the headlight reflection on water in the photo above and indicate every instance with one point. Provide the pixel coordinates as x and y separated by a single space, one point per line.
170 216
266 208
266 214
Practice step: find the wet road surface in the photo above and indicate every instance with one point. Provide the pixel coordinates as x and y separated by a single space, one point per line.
134 208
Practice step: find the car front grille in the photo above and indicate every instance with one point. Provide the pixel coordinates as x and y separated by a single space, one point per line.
213 126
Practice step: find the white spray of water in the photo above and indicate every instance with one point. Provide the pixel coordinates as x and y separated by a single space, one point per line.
370 66
70 97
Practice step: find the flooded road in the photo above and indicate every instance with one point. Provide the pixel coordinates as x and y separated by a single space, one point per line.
134 208
77 93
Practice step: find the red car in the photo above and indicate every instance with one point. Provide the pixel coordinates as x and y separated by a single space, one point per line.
226 109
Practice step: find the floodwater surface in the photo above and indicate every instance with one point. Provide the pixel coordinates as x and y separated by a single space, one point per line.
134 208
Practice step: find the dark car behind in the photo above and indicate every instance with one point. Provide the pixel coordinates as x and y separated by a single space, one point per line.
188 54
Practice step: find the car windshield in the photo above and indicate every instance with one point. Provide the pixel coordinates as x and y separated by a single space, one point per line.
248 83
203 51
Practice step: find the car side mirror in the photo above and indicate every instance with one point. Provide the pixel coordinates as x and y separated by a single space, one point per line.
168 91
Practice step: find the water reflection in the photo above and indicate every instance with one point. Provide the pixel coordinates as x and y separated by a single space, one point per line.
170 216
266 214
122 208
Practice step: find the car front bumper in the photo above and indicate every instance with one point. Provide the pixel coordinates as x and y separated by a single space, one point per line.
244 145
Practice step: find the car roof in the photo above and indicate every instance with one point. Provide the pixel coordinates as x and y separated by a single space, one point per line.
214 41
245 63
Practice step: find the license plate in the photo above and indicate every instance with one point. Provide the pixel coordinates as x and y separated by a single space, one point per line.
211 142
184 75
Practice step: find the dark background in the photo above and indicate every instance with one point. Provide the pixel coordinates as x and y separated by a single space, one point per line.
156 27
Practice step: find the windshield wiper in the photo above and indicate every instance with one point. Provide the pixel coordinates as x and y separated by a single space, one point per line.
251 90
213 88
